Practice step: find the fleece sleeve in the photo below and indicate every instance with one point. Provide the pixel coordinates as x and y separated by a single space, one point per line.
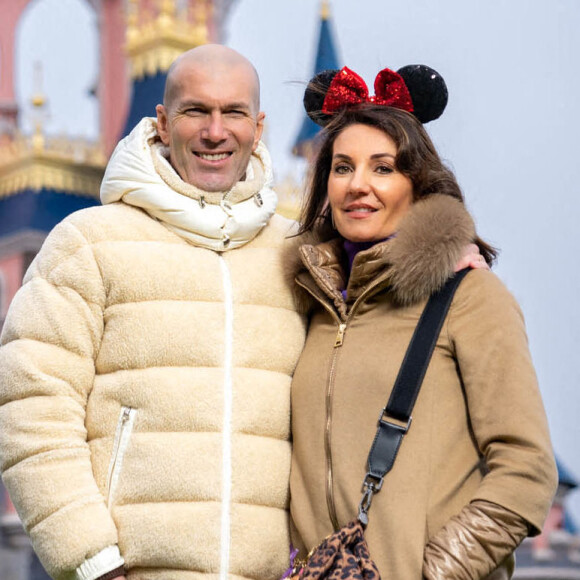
48 347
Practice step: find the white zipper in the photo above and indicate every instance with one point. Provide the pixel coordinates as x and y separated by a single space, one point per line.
122 437
227 422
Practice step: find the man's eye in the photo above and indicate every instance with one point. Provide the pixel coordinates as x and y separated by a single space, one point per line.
235 113
194 111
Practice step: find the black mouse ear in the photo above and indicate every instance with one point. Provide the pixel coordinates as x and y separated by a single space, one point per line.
427 89
315 94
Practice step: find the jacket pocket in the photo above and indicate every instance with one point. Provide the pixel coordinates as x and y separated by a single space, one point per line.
120 444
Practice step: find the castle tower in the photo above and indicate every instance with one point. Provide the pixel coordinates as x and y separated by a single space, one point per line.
138 40
113 90
326 59
290 191
158 31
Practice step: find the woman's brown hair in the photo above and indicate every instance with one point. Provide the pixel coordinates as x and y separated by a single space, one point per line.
416 158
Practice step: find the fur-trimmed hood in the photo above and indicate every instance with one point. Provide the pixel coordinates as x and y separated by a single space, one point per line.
417 262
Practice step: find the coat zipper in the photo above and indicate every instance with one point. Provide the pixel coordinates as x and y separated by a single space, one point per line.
330 504
328 436
122 437
227 420
342 326
340 334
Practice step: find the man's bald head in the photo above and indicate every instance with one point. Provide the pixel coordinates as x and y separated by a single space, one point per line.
210 57
211 119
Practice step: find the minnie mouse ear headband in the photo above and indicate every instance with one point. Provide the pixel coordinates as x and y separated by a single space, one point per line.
415 88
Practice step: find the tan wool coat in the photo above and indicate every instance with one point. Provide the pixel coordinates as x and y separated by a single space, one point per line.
144 400
479 435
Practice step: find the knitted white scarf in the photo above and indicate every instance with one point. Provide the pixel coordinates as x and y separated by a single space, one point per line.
139 174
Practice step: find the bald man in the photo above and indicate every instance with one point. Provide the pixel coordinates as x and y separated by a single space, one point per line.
210 118
146 360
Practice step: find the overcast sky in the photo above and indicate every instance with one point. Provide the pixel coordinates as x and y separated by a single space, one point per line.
509 131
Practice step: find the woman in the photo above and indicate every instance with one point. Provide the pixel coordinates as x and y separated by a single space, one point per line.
475 473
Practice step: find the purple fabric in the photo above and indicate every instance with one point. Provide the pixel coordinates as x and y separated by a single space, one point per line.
293 554
351 249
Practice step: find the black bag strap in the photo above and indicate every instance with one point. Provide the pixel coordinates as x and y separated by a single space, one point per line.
404 394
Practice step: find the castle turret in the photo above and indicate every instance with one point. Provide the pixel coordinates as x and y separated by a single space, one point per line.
326 58
157 33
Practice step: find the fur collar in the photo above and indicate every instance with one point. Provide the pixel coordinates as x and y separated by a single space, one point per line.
417 262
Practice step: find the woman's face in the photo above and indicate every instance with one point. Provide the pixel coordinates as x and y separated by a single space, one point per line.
367 195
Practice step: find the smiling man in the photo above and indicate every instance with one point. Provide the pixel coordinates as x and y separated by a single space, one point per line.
144 393
211 119
205 145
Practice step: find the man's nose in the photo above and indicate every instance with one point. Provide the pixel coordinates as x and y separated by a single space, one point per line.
215 129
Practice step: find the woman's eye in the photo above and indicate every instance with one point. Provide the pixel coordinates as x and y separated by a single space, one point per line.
384 169
341 169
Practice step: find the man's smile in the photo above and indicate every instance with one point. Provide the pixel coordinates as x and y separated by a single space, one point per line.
212 156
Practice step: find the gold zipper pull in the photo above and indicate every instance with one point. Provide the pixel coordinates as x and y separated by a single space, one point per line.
340 335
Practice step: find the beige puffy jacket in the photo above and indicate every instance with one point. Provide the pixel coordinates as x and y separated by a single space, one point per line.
144 400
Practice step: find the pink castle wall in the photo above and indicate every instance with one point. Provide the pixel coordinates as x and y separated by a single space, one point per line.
11 278
11 12
114 85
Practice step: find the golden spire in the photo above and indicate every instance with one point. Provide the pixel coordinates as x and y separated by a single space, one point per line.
166 18
39 161
38 101
132 22
200 34
325 10
154 42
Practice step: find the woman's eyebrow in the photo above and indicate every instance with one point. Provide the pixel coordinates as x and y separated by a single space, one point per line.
378 155
374 156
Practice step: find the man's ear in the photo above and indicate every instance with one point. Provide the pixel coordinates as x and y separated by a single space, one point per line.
162 124
259 128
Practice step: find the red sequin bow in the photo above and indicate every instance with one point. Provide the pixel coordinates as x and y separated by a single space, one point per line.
347 89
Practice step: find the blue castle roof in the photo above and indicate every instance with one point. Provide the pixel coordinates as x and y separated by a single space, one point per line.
326 58
38 210
147 93
565 477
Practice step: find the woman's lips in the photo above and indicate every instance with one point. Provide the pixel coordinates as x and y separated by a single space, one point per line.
359 209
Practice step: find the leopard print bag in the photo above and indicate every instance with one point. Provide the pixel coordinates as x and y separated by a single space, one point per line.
344 555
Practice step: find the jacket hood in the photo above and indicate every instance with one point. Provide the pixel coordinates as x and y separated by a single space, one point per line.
416 262
140 174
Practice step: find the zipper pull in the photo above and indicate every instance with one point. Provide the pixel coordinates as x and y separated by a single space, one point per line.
126 414
340 335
